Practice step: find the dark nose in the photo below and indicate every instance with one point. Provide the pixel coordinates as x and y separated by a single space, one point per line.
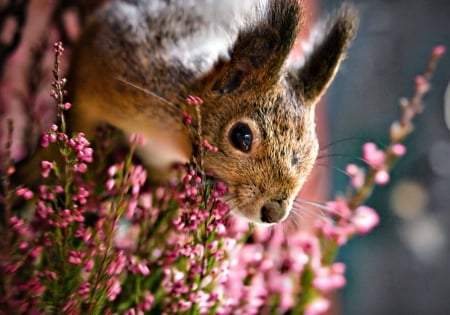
273 211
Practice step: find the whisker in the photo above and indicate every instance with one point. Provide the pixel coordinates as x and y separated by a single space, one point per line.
335 168
299 209
321 207
293 218
340 155
340 171
330 213
328 145
140 88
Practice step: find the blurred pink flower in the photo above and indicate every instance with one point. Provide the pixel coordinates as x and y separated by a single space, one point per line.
365 219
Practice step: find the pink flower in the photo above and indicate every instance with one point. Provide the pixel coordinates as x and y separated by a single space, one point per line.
220 229
75 257
89 265
80 168
110 183
356 174
16 223
58 48
330 278
132 311
219 190
187 119
114 288
422 85
83 290
59 189
45 140
317 306
25 193
282 284
137 178
309 245
398 149
194 100
71 307
113 170
365 219
23 245
340 233
339 207
36 251
117 265
374 157
137 138
439 50
382 177
143 269
209 146
138 266
50 275
261 234
46 168
131 207
146 305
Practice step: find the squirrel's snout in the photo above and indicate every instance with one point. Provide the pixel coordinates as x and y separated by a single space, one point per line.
273 211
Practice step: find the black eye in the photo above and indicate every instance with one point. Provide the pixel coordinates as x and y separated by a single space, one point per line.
241 137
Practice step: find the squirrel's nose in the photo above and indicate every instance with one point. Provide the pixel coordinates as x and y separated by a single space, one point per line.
273 211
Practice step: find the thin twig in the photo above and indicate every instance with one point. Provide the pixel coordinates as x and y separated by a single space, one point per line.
402 128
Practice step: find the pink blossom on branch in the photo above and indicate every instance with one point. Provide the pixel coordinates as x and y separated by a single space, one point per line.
364 219
373 156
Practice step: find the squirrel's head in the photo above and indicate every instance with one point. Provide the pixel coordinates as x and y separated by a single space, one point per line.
259 111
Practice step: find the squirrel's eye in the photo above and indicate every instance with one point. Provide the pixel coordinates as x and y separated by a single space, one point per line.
241 137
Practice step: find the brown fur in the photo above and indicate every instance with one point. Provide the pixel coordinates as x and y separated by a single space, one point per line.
113 72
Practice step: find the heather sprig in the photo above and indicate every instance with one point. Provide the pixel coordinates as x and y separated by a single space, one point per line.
348 215
399 130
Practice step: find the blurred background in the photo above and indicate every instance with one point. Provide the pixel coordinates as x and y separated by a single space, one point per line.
403 266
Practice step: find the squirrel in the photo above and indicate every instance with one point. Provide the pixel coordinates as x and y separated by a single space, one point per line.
137 61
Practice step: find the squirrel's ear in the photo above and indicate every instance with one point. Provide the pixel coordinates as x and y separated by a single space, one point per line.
320 67
260 50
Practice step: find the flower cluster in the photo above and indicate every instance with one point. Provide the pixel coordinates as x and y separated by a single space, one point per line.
347 222
54 244
379 162
107 243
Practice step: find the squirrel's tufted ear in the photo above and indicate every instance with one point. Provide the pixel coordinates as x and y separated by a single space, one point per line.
259 52
320 67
